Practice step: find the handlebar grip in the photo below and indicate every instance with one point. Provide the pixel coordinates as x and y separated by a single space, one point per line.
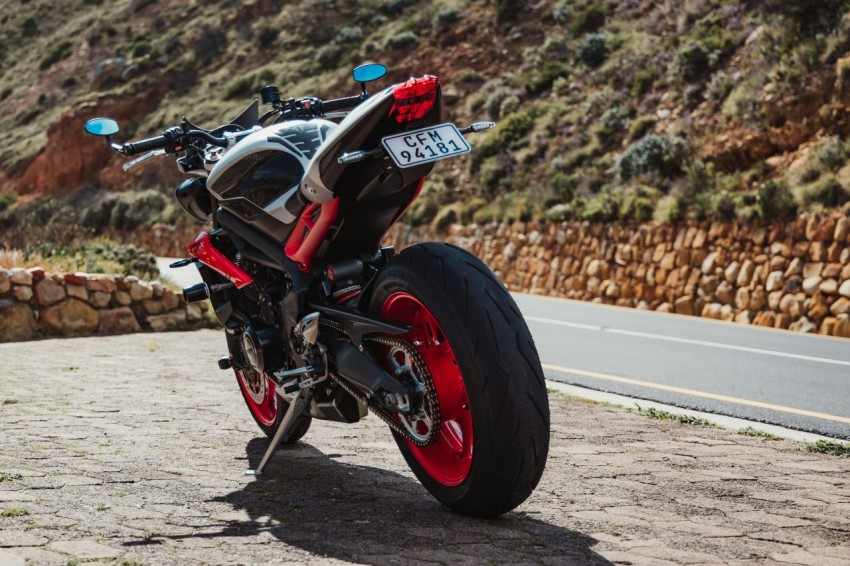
341 103
150 144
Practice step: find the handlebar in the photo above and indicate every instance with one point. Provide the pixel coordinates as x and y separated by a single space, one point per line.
171 140
340 104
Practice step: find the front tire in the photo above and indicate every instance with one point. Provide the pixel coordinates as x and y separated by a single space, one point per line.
258 391
494 410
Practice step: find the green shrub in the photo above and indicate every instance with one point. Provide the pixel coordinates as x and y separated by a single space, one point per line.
593 50
833 153
508 106
58 52
539 79
559 212
507 10
641 126
397 6
642 82
422 211
493 104
589 20
775 200
669 208
267 35
661 154
349 34
719 86
601 208
7 199
445 218
29 28
561 12
445 17
329 56
827 192
492 174
692 62
402 40
211 41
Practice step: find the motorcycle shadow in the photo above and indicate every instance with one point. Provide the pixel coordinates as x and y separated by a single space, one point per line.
363 514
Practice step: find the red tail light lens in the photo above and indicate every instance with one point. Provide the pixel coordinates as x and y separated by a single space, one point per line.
414 99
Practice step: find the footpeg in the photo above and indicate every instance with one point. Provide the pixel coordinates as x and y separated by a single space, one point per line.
225 363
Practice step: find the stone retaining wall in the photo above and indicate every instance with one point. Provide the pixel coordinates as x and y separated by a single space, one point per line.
793 274
34 303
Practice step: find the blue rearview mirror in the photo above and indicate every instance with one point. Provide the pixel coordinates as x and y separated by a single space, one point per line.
369 72
102 127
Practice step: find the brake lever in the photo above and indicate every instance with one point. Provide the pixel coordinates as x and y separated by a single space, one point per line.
155 153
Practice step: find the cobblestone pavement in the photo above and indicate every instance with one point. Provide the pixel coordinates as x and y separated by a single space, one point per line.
130 449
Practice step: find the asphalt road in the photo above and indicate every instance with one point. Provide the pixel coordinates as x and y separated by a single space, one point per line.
795 380
789 379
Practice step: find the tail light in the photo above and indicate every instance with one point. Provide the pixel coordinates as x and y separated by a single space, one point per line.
414 99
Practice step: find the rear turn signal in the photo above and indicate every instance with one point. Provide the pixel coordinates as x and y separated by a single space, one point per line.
414 99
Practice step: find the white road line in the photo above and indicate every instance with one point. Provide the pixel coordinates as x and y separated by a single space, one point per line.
686 341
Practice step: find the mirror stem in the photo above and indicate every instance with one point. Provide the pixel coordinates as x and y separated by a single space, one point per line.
113 146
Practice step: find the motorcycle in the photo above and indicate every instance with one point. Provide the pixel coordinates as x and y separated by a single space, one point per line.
322 322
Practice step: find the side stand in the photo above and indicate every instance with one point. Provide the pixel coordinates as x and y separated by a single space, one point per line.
296 407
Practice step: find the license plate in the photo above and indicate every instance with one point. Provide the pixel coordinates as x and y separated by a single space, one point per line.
425 145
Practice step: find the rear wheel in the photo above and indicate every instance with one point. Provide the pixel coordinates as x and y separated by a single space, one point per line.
493 408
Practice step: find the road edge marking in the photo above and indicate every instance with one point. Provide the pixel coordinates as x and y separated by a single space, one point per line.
695 393
723 421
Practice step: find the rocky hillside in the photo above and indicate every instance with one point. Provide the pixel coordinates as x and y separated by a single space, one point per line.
626 109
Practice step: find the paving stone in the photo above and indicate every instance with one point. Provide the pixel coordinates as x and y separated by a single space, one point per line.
143 454
85 549
8 558
803 556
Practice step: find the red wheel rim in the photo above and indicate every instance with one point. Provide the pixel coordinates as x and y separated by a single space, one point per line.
259 394
449 458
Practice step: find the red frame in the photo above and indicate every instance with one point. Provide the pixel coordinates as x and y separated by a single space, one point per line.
308 234
204 251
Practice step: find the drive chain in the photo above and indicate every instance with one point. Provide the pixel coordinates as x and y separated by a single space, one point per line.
432 405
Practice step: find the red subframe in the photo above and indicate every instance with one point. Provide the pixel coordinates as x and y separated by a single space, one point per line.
309 234
203 250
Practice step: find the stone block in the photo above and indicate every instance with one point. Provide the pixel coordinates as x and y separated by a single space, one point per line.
684 305
828 287
153 306
20 276
22 292
118 321
48 291
71 317
103 283
100 299
18 321
5 282
167 321
140 291
841 306
811 284
775 281
77 291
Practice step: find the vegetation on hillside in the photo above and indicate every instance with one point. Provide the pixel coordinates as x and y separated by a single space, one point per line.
623 109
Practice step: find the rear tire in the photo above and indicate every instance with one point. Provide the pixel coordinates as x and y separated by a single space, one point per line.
483 361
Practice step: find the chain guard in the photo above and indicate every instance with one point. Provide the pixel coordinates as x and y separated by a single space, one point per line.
431 402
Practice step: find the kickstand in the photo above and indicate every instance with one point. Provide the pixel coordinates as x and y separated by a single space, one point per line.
296 407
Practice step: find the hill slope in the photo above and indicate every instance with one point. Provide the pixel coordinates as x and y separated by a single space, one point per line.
606 110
